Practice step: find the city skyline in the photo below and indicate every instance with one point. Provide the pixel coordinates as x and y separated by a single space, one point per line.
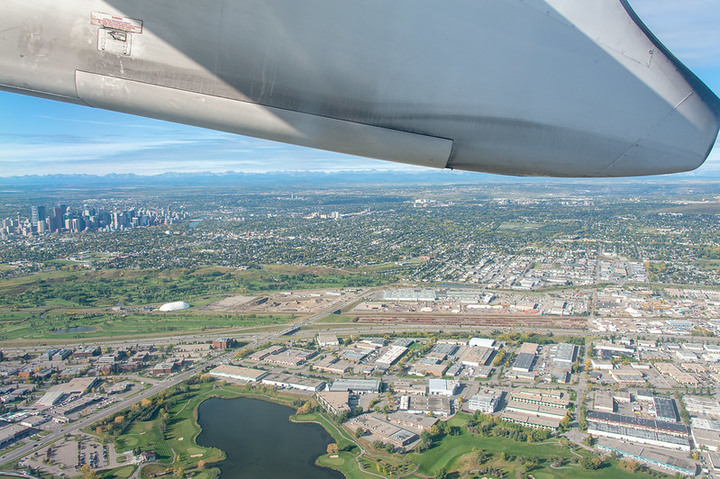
39 136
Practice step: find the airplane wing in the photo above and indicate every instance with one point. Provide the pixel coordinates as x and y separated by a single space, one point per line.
520 87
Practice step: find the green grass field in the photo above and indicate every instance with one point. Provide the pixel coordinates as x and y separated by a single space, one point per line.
50 326
123 472
47 306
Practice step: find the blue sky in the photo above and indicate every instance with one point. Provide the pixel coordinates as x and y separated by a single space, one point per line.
44 137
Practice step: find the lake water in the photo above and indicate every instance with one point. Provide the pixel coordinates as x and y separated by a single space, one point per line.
76 329
260 442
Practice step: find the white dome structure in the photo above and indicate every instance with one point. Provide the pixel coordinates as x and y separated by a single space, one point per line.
176 306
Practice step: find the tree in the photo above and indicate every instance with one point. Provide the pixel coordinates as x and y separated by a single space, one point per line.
88 473
359 432
332 448
441 473
632 466
592 463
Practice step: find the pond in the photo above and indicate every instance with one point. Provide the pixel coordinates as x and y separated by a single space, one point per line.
261 442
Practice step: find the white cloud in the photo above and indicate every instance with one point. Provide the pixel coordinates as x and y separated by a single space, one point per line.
689 28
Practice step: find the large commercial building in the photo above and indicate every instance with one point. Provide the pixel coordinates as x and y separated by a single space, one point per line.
290 381
643 431
415 295
238 373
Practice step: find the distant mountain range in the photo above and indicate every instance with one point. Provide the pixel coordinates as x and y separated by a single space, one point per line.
312 178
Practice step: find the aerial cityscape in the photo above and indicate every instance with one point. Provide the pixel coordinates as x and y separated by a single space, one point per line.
465 330
273 239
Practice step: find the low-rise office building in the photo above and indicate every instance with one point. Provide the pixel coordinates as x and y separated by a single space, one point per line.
334 402
485 403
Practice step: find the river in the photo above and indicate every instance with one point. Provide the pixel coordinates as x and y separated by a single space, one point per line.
260 442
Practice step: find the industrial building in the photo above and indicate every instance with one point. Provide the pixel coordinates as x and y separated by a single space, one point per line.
566 354
439 406
80 385
408 387
414 295
603 401
666 409
238 373
262 354
327 340
606 350
482 342
669 369
357 386
705 433
332 365
291 381
476 356
392 354
52 397
644 431
289 357
702 405
524 362
423 369
443 387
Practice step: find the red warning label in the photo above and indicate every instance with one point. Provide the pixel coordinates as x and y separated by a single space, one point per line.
117 23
